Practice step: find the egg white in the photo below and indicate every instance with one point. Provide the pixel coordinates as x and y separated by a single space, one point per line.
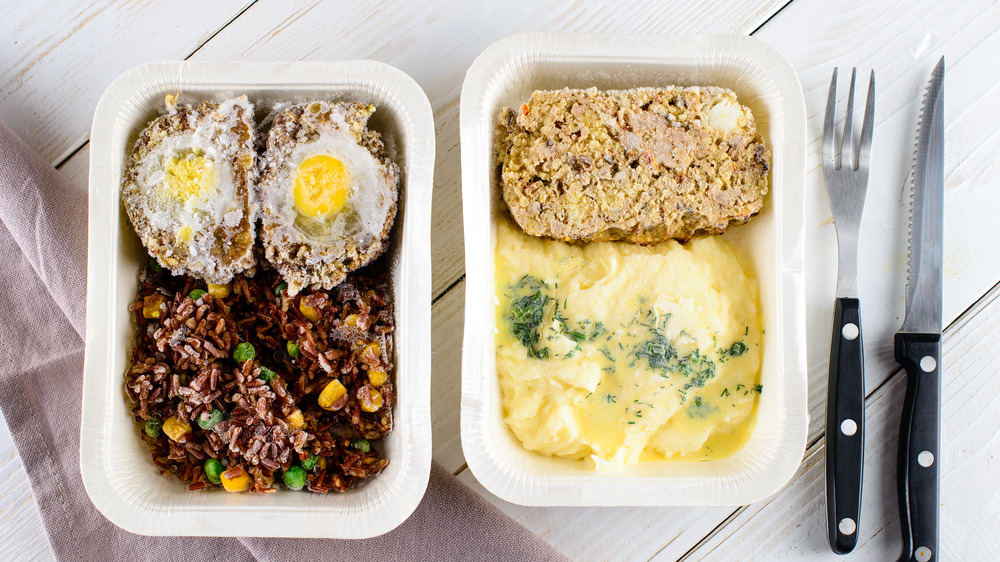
218 206
370 193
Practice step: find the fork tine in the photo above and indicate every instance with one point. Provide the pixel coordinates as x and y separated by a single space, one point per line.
829 120
867 126
847 141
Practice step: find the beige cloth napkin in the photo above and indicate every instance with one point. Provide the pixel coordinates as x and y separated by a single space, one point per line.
42 321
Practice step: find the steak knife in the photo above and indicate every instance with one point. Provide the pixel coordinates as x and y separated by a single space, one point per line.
918 342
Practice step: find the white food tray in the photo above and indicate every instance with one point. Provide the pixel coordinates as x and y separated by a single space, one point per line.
505 74
117 468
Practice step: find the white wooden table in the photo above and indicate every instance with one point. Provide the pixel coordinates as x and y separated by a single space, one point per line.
58 57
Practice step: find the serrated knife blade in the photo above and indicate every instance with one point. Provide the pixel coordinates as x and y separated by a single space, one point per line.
918 342
924 284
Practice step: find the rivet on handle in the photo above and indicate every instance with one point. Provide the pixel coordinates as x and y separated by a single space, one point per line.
927 364
848 427
925 458
850 331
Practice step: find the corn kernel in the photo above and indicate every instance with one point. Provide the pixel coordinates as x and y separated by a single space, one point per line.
295 420
377 378
218 291
308 311
321 463
351 320
176 428
235 479
374 403
333 391
374 347
151 306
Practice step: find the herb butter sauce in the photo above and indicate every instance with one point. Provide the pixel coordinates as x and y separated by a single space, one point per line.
621 353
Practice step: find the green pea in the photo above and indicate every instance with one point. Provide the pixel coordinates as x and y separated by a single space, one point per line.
155 265
197 294
361 444
154 427
213 471
244 352
266 375
209 421
292 348
280 289
310 463
295 478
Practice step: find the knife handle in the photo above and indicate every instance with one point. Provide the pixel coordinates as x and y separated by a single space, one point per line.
845 427
919 435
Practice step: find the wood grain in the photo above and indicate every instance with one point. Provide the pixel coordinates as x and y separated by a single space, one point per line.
64 55
87 44
968 507
437 47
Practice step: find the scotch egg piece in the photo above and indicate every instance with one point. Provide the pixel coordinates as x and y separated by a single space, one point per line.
328 193
188 188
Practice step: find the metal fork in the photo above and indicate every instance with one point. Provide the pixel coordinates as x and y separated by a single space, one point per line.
846 184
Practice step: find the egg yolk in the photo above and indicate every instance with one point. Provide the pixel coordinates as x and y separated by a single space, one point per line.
322 185
189 178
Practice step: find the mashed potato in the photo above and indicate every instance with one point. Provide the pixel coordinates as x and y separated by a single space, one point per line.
622 353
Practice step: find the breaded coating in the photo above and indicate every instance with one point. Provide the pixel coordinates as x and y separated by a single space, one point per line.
314 256
641 165
188 188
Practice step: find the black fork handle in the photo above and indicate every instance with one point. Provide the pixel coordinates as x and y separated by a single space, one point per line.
845 427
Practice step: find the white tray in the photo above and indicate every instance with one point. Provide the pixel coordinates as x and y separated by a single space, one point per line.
505 74
118 472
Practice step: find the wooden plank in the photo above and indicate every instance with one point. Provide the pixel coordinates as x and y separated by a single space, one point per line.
446 384
437 47
20 523
610 533
65 54
815 37
970 414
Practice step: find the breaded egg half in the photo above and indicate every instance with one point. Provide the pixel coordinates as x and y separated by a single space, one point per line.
328 193
188 188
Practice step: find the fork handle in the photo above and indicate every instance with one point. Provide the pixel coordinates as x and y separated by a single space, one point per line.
845 427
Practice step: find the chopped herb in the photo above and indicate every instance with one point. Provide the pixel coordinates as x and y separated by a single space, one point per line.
697 401
737 349
725 392
599 330
607 354
759 388
527 313
610 398
155 265
576 335
631 423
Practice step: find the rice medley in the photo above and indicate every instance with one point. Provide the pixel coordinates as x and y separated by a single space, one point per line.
316 389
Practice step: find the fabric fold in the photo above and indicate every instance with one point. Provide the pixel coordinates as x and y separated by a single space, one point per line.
43 242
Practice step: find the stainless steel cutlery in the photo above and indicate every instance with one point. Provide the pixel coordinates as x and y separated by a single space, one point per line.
918 342
846 183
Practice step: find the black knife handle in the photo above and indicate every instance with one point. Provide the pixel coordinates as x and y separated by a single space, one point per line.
845 427
919 436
